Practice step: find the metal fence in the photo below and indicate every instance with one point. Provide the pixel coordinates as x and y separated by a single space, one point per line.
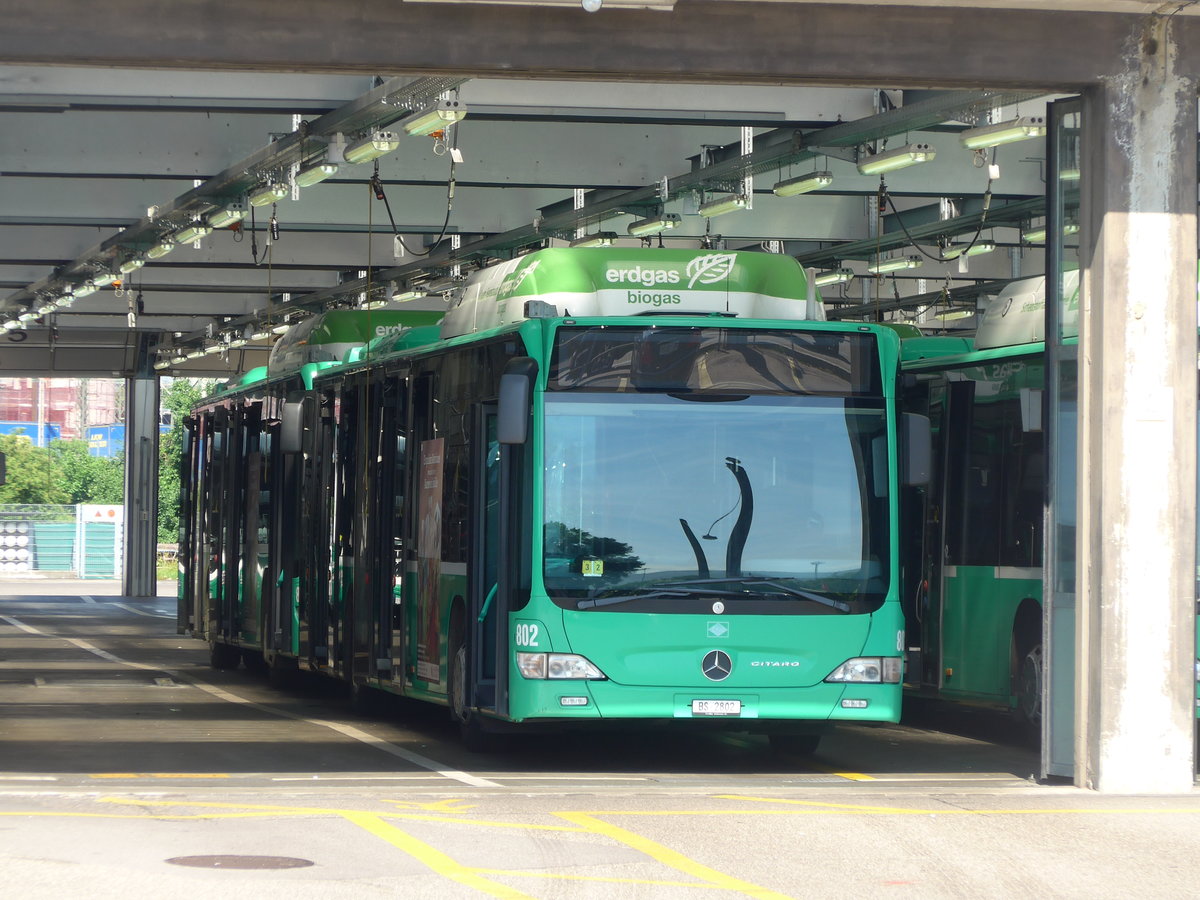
82 541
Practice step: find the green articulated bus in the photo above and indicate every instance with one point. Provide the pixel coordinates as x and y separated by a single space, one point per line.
612 485
973 537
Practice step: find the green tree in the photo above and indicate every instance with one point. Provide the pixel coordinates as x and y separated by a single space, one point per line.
33 473
178 397
86 478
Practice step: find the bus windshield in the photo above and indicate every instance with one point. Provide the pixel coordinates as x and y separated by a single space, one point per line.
734 503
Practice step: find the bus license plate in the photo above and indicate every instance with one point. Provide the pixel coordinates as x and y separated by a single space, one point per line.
716 707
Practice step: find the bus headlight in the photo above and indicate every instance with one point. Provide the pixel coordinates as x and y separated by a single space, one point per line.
557 666
867 670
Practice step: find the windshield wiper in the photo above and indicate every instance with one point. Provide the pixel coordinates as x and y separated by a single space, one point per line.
656 594
798 593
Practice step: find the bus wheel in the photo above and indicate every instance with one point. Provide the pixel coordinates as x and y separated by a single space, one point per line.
795 744
1029 687
223 656
470 728
253 661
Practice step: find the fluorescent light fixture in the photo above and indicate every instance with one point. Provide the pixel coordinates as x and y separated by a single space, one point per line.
596 239
82 290
28 316
434 118
160 250
281 328
161 363
895 264
1003 132
46 308
951 314
1068 175
721 205
103 279
231 214
1038 235
315 174
260 335
900 158
654 225
195 354
269 193
131 265
178 358
976 249
12 325
813 181
214 348
373 146
237 342
193 233
834 276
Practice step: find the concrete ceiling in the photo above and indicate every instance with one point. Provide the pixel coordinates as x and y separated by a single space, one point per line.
97 163
91 160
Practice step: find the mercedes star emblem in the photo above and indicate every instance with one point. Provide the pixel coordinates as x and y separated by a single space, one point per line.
716 665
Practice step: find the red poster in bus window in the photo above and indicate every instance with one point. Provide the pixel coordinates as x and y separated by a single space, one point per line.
429 562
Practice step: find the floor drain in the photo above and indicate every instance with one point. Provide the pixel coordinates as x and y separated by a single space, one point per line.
240 862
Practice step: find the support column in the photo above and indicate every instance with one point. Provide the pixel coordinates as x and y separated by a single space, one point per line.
141 487
1135 632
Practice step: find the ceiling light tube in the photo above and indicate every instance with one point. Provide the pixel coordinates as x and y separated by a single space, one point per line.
654 224
813 181
895 264
160 250
28 316
82 290
12 325
269 193
434 118
901 157
596 239
1038 235
193 233
315 174
373 146
230 215
721 205
195 354
131 265
976 249
103 279
834 276
161 363
214 348
1019 129
178 359
281 329
260 335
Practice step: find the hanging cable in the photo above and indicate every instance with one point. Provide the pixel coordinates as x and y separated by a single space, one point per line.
377 187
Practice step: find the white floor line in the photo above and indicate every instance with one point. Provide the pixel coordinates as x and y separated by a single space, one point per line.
349 731
142 612
86 599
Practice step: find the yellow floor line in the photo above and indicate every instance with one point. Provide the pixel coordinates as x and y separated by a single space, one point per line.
599 878
436 860
669 857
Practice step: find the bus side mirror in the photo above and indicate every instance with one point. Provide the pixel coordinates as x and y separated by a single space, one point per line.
516 400
916 450
291 426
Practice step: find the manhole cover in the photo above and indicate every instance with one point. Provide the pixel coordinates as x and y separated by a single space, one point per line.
241 862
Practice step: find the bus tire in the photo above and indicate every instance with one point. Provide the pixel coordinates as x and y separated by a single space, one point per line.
786 744
471 729
253 661
1029 688
223 656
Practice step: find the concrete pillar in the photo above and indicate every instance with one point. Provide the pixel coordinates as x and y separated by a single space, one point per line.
1137 429
141 487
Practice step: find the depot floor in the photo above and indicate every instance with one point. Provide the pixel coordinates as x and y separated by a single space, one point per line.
128 768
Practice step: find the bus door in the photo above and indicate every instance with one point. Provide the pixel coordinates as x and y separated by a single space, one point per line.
949 529
278 522
486 638
226 517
